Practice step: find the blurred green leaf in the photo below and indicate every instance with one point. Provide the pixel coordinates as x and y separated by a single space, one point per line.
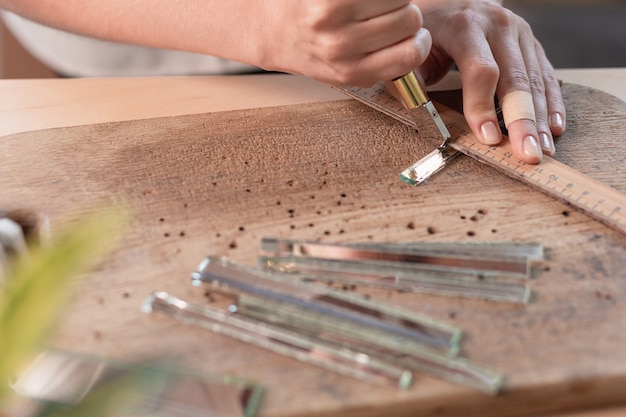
40 285
117 395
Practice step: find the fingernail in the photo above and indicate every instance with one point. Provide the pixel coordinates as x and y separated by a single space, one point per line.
531 147
547 143
490 133
556 120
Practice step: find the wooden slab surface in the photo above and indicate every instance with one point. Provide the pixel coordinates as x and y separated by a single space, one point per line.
217 183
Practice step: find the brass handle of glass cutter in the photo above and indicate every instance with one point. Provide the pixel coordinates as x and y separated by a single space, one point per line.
411 90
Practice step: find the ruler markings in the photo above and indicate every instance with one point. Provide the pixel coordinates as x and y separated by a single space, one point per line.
551 177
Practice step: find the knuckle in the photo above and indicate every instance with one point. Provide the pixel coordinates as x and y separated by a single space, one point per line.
319 14
523 27
518 79
508 20
463 20
485 70
551 80
537 84
503 17
330 47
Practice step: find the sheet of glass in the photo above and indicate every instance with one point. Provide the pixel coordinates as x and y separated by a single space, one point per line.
66 378
401 258
281 300
291 342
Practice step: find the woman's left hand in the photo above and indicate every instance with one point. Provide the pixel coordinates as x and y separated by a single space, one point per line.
497 54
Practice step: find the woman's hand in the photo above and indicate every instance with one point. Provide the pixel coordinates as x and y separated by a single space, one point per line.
496 54
352 42
345 42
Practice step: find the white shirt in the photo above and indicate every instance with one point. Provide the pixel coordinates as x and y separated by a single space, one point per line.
73 55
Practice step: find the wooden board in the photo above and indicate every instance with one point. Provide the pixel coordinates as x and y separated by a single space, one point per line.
217 183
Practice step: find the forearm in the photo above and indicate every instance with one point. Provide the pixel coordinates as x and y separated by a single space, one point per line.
229 29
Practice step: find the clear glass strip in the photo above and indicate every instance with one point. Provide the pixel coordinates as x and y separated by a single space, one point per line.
318 309
400 258
532 251
422 170
328 355
457 370
430 282
331 351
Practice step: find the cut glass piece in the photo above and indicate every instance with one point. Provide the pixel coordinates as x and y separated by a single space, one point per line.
283 340
401 257
335 352
531 251
430 282
429 165
319 310
468 270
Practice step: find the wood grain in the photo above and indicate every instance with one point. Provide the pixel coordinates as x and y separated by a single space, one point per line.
217 183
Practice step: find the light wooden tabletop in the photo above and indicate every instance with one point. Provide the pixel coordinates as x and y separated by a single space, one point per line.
30 105
45 103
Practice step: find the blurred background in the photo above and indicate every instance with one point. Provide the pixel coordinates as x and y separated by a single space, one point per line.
578 33
574 33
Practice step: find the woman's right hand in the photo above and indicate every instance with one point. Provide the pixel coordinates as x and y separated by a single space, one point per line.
344 42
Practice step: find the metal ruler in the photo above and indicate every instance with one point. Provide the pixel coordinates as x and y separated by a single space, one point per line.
593 198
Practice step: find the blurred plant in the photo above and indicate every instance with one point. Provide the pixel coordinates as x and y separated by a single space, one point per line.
32 300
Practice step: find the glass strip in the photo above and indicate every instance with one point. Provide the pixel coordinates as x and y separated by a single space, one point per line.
330 351
318 309
431 282
422 170
299 345
532 251
401 258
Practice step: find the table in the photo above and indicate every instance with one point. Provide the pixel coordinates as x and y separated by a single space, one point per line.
30 105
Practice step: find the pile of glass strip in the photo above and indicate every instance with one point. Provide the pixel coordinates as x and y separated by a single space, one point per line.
280 305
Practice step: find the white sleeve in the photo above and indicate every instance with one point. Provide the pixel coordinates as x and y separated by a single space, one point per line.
73 55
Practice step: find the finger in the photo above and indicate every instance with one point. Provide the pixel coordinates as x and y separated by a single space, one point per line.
384 30
333 14
554 97
389 63
364 10
537 88
518 112
525 146
514 77
479 77
519 116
